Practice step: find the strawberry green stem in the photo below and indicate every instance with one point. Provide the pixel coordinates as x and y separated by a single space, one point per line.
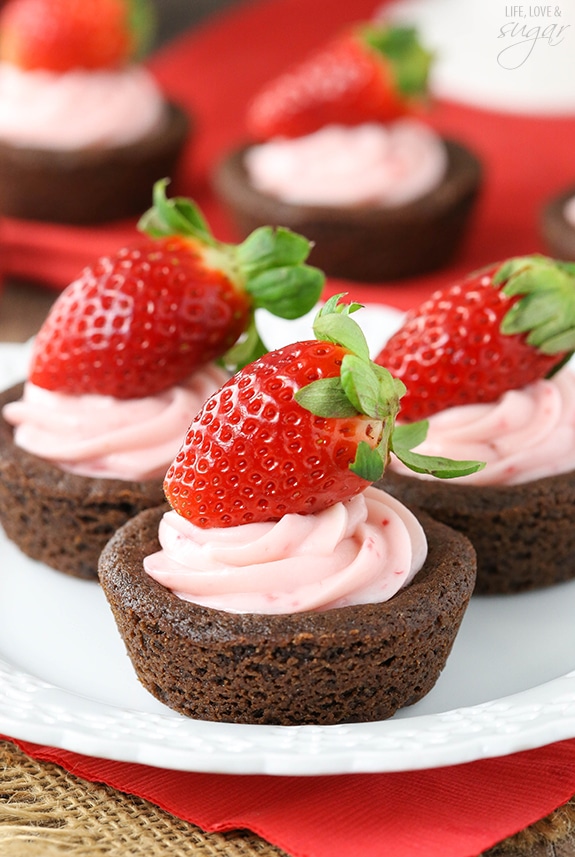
142 21
545 311
364 388
270 265
401 48
177 216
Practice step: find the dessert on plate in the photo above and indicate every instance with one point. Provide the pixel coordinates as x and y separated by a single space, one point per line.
279 586
558 224
484 363
122 363
339 149
84 128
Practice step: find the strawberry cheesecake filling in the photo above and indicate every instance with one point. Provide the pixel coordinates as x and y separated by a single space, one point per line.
362 550
102 436
78 109
526 434
369 164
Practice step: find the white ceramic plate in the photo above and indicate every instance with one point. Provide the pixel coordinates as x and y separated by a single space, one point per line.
66 681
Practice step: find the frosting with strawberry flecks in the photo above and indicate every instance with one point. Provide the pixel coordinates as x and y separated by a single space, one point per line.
526 434
100 436
78 109
368 164
359 551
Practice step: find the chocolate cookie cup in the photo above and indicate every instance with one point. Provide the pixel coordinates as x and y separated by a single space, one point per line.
348 664
558 233
524 535
59 518
365 243
92 185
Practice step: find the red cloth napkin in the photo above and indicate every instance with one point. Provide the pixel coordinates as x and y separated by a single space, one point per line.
446 812
456 811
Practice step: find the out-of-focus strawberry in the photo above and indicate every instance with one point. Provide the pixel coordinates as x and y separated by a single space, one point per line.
60 35
368 73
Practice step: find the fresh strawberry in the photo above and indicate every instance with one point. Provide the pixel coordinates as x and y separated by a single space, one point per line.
146 317
499 329
368 73
60 35
296 431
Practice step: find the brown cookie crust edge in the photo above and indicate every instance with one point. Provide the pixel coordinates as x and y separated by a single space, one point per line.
349 664
90 186
524 535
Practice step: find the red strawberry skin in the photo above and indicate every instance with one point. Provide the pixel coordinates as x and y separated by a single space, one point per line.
254 454
145 318
450 350
138 322
58 35
345 82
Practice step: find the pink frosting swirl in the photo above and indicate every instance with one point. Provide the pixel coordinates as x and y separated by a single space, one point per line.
370 164
525 435
99 436
78 109
357 552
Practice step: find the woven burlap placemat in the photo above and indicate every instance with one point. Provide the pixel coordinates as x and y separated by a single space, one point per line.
47 812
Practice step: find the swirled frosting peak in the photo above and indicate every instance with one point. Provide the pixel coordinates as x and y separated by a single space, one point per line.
79 109
370 164
361 551
100 436
526 434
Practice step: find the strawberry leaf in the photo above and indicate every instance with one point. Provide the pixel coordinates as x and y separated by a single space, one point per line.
288 291
371 389
248 348
335 305
177 216
366 388
545 311
341 329
326 398
441 468
509 269
268 265
368 463
271 262
271 248
142 22
557 343
401 48
405 437
409 435
360 385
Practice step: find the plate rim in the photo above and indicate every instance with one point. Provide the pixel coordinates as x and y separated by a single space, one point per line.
38 711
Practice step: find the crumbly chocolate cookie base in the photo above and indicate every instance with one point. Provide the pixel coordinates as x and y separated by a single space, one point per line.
524 535
90 185
365 243
58 518
351 664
